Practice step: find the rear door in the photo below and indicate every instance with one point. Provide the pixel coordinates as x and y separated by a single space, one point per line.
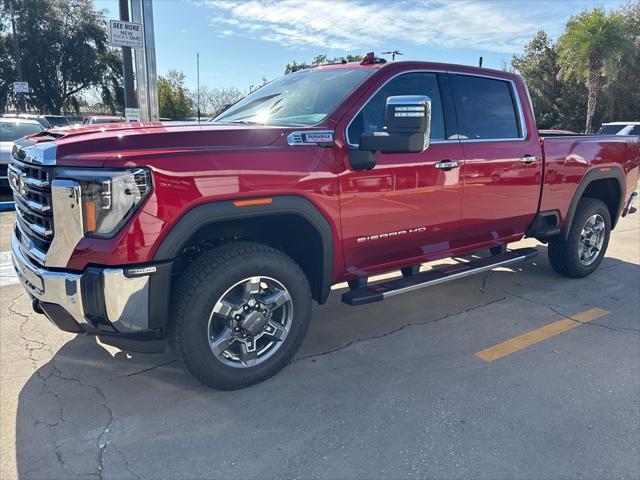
502 170
406 207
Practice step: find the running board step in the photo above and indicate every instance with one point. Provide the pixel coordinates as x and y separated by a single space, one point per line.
380 291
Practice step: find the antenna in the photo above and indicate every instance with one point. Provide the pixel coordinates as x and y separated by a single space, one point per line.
393 54
198 77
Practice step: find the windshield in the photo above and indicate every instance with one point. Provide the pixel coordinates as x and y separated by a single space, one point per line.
10 131
298 99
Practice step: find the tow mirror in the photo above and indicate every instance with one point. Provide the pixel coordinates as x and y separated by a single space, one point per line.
407 130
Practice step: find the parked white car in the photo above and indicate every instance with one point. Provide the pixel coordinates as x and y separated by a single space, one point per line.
10 130
620 128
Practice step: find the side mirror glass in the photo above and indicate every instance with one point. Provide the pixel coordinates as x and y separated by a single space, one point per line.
407 129
407 126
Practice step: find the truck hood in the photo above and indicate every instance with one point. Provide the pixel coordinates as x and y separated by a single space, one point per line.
95 145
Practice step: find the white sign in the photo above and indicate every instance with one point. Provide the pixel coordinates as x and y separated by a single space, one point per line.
126 34
132 114
21 87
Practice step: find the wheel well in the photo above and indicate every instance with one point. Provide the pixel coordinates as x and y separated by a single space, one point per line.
607 190
290 233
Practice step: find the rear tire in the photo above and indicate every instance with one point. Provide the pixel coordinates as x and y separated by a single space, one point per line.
586 244
218 299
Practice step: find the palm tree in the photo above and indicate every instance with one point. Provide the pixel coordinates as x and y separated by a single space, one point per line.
591 49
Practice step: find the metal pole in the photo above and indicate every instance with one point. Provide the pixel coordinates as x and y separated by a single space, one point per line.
146 73
130 99
198 77
22 103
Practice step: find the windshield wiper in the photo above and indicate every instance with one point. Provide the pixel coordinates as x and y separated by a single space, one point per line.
244 122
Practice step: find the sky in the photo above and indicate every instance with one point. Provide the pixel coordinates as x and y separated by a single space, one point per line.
242 41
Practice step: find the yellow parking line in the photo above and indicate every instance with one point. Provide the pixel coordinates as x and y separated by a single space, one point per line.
538 335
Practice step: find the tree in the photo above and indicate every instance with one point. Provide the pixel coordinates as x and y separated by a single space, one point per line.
319 60
7 68
538 65
557 101
590 51
621 98
63 49
213 100
111 84
173 97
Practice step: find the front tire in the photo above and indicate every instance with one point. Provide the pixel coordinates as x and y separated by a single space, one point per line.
586 244
241 313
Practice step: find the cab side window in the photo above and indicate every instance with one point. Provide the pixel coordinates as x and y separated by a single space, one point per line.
486 108
371 117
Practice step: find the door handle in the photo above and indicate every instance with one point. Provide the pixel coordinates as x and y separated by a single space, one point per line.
527 159
447 164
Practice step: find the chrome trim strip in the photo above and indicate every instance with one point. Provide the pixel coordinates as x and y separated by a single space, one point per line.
33 205
454 276
31 249
30 181
68 226
39 230
461 140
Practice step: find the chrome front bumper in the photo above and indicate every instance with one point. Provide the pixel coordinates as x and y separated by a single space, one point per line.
109 302
64 289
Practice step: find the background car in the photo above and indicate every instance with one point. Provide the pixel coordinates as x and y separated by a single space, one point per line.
619 128
10 130
57 120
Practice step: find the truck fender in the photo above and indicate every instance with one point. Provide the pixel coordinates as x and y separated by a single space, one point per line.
598 173
215 212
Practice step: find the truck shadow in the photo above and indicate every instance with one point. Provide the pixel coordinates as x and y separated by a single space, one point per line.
87 406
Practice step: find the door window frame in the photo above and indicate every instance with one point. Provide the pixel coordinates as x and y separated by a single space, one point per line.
522 124
443 100
520 118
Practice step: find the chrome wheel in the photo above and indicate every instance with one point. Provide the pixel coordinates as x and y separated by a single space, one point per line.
591 239
250 322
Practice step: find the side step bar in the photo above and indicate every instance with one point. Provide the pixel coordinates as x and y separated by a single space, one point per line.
380 291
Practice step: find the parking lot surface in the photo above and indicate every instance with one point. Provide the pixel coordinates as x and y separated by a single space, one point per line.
519 373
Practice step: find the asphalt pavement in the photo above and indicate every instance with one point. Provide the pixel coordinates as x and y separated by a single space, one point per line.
515 374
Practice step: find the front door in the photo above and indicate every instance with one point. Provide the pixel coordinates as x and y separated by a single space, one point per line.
406 207
502 170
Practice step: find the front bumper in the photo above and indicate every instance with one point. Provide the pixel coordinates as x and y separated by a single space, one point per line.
125 307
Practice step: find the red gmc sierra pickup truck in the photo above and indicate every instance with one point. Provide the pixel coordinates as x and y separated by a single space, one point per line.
216 238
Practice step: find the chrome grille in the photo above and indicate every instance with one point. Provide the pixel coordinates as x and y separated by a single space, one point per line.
31 185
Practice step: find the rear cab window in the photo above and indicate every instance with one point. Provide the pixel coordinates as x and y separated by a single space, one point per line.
610 129
486 108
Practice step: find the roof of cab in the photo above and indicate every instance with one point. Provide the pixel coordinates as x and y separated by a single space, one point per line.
422 65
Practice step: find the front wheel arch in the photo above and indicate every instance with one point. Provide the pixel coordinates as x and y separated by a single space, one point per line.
223 221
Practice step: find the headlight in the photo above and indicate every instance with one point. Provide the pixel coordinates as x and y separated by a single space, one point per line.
109 197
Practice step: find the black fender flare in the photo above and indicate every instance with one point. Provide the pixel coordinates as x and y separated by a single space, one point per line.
599 173
221 211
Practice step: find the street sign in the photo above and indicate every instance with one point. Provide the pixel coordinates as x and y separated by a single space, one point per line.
126 34
132 114
21 87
